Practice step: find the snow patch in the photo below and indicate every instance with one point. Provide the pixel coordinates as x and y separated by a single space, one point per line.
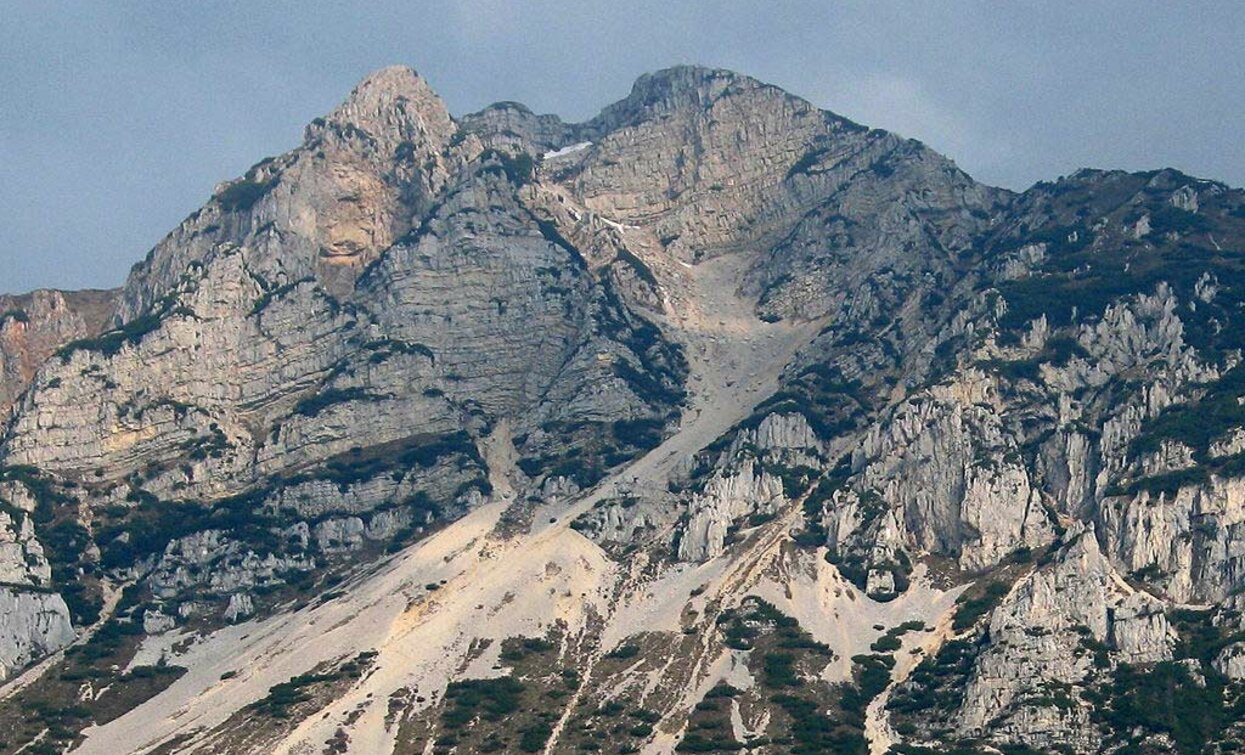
567 150
618 226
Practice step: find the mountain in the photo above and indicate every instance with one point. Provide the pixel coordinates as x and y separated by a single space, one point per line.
716 423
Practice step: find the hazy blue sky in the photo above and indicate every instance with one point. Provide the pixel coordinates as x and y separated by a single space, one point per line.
118 118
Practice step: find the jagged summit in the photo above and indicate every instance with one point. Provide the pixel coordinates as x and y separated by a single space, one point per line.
684 89
387 84
396 104
368 172
677 86
394 80
685 86
680 89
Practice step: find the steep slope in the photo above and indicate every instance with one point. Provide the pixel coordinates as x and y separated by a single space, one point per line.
35 621
715 423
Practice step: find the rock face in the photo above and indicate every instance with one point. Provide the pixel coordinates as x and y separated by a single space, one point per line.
364 174
33 620
775 427
35 325
1038 637
945 461
32 624
726 500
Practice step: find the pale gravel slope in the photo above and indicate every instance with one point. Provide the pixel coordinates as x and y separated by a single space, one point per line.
490 590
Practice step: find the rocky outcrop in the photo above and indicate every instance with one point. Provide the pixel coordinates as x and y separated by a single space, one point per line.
363 176
22 561
511 126
1231 661
36 325
726 500
872 224
950 469
1040 642
700 157
34 620
1189 540
32 625
184 567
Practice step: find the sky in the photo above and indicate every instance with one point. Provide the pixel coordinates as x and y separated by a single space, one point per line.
117 119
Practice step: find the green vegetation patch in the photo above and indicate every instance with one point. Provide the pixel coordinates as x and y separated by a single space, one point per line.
935 688
515 711
130 333
16 315
709 725
287 699
518 168
806 714
324 398
974 604
245 193
807 162
1200 422
1185 699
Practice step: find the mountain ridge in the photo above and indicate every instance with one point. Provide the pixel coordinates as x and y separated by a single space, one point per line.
692 412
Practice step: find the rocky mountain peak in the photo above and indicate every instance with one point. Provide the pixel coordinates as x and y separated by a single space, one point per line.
681 89
512 126
687 84
363 174
395 105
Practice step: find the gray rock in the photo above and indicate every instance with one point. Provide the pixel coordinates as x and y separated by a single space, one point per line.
240 606
32 625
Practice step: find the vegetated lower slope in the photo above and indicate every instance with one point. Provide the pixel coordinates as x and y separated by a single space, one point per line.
716 423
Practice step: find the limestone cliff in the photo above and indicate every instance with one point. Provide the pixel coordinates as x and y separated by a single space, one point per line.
35 325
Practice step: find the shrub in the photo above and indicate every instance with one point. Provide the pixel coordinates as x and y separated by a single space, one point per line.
314 404
491 698
641 433
887 643
518 169
17 315
1166 699
637 265
243 194
972 609
624 652
534 737
778 670
111 342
